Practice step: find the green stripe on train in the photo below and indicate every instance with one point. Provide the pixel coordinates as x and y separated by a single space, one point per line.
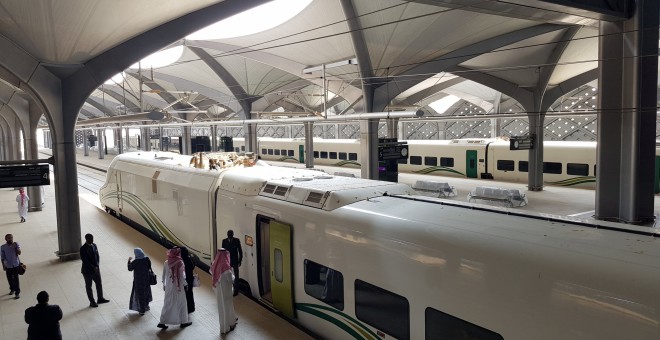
438 169
573 181
348 324
288 159
151 218
342 163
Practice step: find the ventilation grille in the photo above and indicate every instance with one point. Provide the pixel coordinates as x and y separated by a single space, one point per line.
314 197
281 191
276 191
269 189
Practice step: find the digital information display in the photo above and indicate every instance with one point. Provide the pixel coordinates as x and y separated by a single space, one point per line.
24 176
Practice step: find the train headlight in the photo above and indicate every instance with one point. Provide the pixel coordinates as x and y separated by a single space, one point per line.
404 152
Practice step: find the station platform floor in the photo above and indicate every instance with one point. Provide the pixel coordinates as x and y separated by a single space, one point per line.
116 241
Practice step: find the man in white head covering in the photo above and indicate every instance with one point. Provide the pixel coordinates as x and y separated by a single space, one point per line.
22 199
223 278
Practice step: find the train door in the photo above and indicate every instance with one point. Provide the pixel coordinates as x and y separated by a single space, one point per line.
471 163
275 266
301 154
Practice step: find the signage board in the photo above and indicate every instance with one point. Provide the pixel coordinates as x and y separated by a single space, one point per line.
24 176
521 143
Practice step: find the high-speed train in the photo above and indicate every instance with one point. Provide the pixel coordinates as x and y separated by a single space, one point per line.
565 163
352 258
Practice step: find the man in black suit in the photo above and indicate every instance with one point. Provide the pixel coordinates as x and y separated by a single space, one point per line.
89 255
233 245
43 319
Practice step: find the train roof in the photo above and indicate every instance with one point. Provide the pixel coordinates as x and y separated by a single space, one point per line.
430 223
306 187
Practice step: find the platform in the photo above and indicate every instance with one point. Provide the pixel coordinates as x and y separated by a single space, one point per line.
65 284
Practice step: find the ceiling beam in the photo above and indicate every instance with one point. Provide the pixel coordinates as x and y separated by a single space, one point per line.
99 106
362 54
524 96
392 88
244 99
567 86
335 85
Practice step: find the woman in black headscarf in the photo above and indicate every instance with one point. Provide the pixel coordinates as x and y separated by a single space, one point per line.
189 266
141 292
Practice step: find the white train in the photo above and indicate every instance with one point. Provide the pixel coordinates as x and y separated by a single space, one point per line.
565 163
351 258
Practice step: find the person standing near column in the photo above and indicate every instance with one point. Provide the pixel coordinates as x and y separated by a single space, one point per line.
10 263
89 254
22 199
233 245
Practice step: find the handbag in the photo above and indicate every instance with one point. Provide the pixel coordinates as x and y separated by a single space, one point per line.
21 268
195 281
153 279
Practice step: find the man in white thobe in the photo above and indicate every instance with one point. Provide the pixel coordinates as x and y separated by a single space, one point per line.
175 307
223 278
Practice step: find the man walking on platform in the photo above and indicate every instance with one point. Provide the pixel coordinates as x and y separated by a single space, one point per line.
89 254
10 263
233 245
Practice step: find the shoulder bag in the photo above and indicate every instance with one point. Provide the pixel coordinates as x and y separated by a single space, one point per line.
153 279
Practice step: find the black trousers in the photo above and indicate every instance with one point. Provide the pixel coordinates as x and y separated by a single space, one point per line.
235 268
12 278
96 277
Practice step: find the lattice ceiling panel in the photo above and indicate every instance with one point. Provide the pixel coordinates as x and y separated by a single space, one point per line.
513 127
172 132
80 139
349 131
271 131
422 130
297 131
468 129
201 131
326 131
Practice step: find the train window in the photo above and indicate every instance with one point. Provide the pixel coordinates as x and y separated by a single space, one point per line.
277 152
316 154
352 156
522 166
382 309
242 147
343 156
290 153
264 151
270 151
333 155
402 160
595 167
551 168
278 261
433 161
416 160
447 161
324 154
283 152
325 284
577 169
441 325
505 165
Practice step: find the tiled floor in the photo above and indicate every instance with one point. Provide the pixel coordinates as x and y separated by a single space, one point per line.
65 284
